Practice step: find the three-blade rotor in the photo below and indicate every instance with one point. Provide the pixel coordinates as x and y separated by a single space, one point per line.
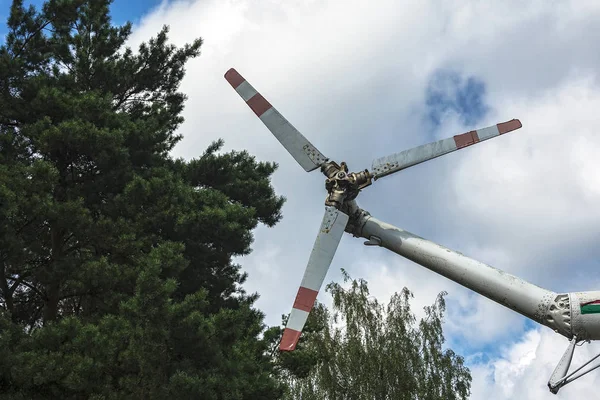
342 187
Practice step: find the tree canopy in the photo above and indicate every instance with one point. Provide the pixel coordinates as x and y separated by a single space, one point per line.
362 349
116 275
117 278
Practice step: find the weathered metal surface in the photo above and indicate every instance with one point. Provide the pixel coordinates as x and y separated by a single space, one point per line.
314 154
342 186
541 305
508 126
558 315
466 139
586 326
407 158
307 155
327 241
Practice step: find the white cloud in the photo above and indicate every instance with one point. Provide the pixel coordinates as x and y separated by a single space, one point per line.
352 76
536 188
524 368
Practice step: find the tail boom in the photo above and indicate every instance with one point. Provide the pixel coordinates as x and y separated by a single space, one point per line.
570 314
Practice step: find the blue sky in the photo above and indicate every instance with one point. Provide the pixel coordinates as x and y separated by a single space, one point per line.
131 10
122 10
450 92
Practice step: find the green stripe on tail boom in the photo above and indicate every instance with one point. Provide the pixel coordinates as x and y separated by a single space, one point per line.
591 307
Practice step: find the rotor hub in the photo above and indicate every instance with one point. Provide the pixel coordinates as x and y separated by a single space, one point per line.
343 186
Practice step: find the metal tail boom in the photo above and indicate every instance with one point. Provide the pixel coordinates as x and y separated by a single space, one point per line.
569 314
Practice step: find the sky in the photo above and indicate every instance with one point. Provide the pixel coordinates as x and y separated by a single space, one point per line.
362 80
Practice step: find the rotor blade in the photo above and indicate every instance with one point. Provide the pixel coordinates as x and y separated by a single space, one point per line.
407 158
307 155
328 239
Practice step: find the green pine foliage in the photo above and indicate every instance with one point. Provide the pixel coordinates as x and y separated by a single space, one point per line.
116 274
363 349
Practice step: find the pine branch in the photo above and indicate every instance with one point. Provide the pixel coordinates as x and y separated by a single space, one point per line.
26 41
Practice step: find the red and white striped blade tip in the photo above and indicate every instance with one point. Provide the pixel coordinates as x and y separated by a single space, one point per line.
304 152
234 78
257 103
508 126
289 340
305 300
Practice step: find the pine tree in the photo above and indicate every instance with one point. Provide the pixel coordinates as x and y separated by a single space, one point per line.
116 275
362 349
